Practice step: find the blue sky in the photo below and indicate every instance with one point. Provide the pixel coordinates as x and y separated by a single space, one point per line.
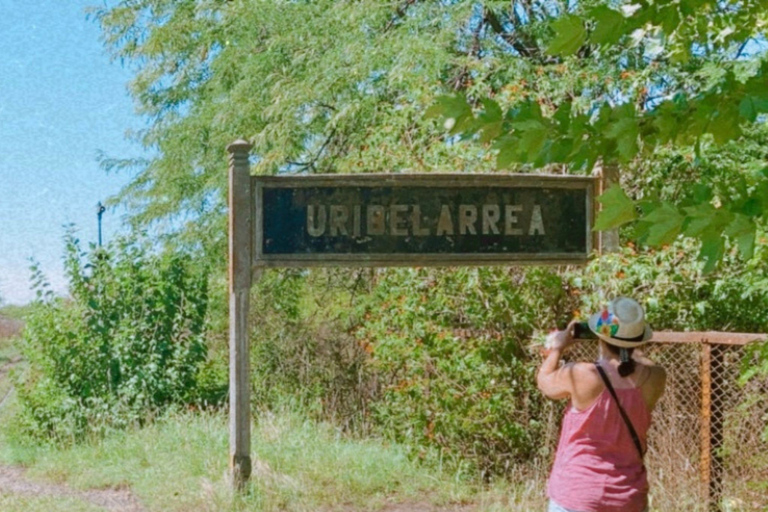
61 102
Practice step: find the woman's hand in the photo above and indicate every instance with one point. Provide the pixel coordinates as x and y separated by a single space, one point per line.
559 340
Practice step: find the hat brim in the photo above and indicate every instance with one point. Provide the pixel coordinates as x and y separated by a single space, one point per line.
647 335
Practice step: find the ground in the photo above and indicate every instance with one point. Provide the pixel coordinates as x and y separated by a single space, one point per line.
13 480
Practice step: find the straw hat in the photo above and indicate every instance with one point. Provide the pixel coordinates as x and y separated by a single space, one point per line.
621 323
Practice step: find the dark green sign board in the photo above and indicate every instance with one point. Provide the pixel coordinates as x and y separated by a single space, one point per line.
422 219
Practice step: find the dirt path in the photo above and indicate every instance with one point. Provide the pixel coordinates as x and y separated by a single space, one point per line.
13 480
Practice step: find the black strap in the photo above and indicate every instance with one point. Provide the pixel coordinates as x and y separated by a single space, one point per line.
624 416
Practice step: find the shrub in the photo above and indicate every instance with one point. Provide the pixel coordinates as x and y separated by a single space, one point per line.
442 359
450 351
127 344
303 354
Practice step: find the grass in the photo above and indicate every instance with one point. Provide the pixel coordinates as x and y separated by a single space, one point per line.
299 465
180 464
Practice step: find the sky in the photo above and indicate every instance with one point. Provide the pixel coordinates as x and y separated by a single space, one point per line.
61 103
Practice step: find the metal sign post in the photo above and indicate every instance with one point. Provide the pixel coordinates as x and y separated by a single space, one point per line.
377 220
100 209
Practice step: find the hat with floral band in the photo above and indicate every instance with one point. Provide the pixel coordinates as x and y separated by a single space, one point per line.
621 323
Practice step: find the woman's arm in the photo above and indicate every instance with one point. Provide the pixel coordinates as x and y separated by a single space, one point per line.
554 381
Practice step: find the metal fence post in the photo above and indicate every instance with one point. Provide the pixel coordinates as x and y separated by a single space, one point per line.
240 260
712 388
705 462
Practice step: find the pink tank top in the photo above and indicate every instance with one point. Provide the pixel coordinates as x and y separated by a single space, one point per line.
597 467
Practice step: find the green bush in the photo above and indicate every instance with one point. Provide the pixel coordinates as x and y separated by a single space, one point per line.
443 359
303 354
437 359
125 345
676 294
450 349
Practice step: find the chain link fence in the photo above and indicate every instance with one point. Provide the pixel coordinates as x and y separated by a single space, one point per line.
707 448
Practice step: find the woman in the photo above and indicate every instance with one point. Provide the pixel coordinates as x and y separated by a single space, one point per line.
599 461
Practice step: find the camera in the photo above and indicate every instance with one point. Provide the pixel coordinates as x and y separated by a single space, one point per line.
582 331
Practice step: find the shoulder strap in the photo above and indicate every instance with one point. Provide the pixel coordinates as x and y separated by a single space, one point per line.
624 416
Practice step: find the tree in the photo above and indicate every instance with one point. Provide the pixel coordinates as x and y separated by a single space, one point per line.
329 86
696 81
317 86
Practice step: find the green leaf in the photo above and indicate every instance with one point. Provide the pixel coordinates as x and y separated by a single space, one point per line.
491 131
492 112
563 116
531 143
508 149
449 106
490 121
559 150
751 106
625 132
712 250
617 209
704 217
742 230
569 36
455 110
608 25
665 223
528 125
725 124
669 18
666 122
701 193
751 207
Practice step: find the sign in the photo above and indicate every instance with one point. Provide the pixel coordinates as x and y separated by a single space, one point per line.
421 219
385 220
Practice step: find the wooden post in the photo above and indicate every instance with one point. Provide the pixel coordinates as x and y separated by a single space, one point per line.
608 240
240 260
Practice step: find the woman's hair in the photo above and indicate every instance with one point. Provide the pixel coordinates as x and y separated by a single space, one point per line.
627 365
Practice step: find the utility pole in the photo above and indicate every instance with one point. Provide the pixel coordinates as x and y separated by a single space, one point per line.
99 212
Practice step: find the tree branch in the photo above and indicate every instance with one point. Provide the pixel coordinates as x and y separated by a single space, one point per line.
510 38
742 47
400 12
311 164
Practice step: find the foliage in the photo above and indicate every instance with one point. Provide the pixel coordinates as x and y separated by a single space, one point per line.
676 293
450 350
303 354
319 86
691 76
124 346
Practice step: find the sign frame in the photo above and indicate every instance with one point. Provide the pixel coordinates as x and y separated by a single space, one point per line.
423 180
